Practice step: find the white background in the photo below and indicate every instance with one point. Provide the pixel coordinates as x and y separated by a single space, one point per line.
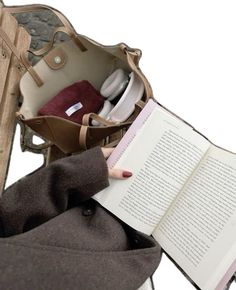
189 57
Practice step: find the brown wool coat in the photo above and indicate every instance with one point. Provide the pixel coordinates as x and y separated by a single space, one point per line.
54 236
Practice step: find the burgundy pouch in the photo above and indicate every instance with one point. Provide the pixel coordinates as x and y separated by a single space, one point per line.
73 102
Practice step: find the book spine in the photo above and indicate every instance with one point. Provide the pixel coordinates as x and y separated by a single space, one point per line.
131 133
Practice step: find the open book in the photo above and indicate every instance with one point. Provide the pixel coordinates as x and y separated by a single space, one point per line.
183 192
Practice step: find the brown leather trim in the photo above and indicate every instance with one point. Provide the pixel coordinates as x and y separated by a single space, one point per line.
49 46
132 57
31 70
92 116
56 58
83 137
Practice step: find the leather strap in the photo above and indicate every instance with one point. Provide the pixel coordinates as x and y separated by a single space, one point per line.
134 52
92 116
48 46
63 19
83 137
31 70
21 57
133 56
68 29
84 131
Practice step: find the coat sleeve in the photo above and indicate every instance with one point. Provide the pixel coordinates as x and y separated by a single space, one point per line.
46 193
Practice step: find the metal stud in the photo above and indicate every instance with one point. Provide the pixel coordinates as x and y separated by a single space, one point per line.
57 59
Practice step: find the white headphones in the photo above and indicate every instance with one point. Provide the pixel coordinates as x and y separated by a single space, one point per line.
131 88
126 104
115 84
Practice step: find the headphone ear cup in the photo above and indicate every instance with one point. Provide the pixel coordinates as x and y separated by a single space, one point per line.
115 84
106 109
126 104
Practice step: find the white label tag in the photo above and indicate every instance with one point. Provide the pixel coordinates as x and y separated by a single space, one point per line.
73 109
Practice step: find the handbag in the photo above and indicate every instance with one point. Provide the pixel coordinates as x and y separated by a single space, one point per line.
62 64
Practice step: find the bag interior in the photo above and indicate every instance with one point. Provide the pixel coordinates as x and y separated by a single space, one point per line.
94 65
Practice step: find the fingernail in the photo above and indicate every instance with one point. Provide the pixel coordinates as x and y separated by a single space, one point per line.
127 174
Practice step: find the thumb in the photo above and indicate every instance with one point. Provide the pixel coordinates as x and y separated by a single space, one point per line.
119 173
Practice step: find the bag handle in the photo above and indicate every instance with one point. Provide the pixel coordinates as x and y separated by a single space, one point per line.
49 45
139 106
68 29
35 7
86 120
21 57
133 56
85 132
92 116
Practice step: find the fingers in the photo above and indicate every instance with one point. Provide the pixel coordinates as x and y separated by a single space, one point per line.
119 173
107 151
115 173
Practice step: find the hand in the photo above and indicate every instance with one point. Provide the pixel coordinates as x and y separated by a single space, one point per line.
115 173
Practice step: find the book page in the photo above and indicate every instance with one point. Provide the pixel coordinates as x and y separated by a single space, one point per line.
199 231
162 156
